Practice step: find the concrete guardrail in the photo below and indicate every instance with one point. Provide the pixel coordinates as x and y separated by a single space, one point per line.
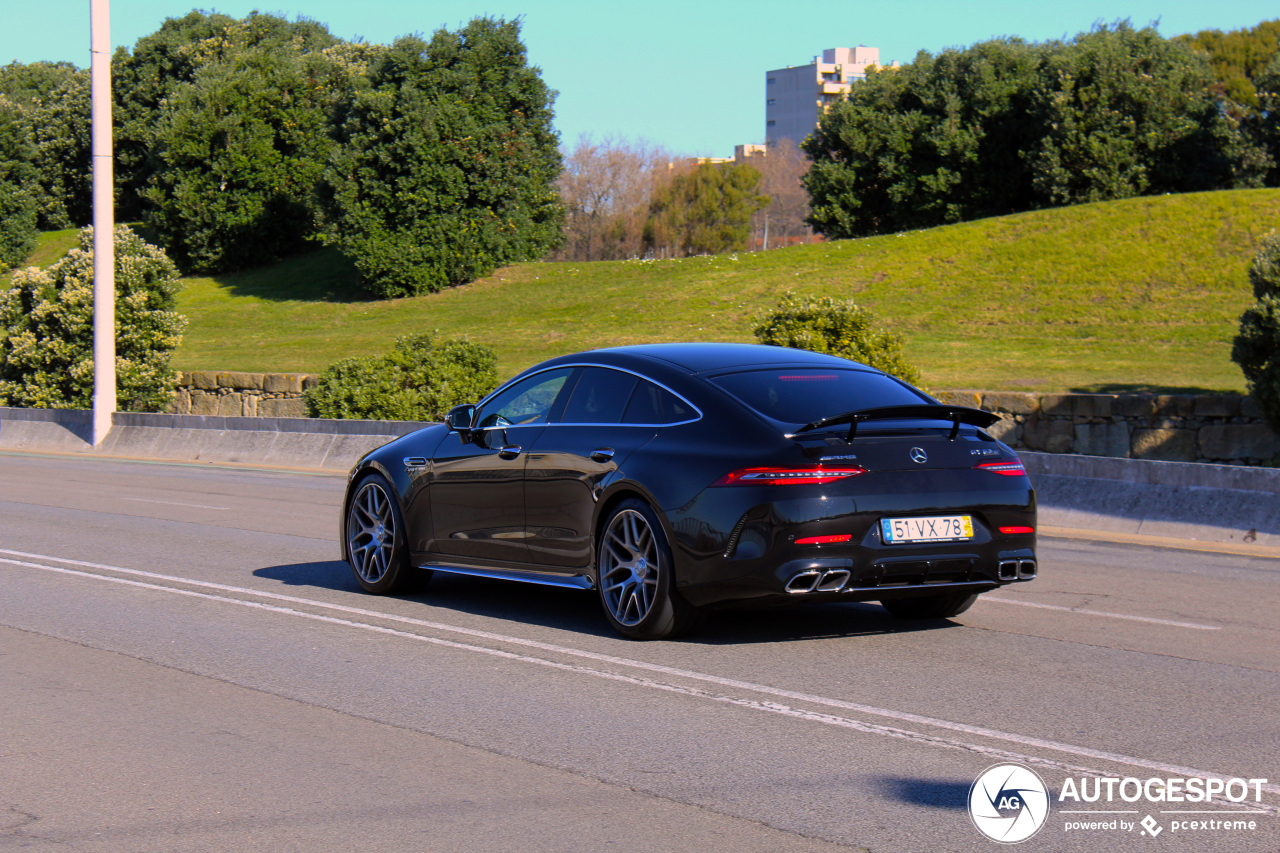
1181 500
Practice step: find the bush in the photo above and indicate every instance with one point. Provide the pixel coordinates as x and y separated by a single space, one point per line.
419 380
837 327
1257 347
46 358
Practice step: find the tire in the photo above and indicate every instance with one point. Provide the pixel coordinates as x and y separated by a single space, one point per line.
376 540
931 606
634 576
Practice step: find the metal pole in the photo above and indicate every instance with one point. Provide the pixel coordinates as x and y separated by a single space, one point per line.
104 253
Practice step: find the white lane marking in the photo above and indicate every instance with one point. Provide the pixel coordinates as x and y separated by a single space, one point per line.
903 716
172 503
1103 613
693 692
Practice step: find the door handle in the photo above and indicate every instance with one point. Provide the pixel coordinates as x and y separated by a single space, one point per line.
511 451
602 454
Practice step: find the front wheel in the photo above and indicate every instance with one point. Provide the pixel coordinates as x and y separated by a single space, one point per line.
942 606
635 578
376 540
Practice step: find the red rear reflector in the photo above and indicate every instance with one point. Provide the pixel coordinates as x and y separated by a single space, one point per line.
824 540
1008 468
1013 530
786 476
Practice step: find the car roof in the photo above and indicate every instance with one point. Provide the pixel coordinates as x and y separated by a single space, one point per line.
709 357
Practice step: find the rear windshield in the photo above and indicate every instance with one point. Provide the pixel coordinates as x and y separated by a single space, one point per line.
804 395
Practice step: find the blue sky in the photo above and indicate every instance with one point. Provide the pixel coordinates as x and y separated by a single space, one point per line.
687 75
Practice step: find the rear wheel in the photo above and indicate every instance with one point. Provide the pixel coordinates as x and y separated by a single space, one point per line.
635 578
376 540
931 606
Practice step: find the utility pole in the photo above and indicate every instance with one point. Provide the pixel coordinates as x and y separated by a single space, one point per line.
104 226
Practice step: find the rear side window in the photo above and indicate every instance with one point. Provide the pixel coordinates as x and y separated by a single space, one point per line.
600 397
651 404
804 395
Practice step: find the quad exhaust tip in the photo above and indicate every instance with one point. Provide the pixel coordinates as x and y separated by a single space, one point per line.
1017 570
832 580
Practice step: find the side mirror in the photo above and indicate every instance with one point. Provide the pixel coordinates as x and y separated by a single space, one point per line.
460 419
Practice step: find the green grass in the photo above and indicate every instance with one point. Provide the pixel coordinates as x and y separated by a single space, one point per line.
1141 294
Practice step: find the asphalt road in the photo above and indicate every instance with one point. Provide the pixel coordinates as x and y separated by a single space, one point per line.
184 665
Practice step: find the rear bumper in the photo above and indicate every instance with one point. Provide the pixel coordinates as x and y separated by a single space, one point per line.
871 579
758 557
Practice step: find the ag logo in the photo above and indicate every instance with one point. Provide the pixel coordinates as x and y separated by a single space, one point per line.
1008 803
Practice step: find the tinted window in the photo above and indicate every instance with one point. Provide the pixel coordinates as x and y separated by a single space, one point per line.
804 395
599 397
651 404
526 402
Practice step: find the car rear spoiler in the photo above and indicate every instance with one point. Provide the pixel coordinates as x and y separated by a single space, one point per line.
928 411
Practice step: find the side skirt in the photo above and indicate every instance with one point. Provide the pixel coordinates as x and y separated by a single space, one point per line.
569 581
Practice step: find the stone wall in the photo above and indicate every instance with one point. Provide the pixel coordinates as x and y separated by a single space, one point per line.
1223 428
248 395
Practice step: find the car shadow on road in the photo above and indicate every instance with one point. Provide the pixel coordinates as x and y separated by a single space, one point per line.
329 574
732 626
579 610
566 609
934 793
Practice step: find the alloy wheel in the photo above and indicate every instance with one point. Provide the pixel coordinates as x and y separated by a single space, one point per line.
371 533
629 567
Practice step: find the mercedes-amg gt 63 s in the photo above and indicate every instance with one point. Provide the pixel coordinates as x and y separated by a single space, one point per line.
676 477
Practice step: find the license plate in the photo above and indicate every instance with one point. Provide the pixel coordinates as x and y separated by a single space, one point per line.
938 528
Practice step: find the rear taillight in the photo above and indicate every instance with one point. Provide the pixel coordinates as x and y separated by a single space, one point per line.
1013 531
1009 468
787 476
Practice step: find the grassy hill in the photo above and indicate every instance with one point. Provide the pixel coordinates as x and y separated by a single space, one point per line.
1137 294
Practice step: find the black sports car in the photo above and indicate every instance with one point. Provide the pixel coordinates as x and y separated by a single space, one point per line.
675 477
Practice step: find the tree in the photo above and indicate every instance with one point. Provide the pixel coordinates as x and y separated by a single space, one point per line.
939 140
606 188
51 101
446 162
1005 126
1238 58
238 151
837 327
1265 125
705 211
1257 346
1124 112
18 207
46 356
782 221
145 78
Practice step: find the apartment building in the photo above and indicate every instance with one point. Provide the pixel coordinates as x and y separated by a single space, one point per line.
797 95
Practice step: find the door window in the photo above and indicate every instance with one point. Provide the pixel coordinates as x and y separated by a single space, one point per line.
526 402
